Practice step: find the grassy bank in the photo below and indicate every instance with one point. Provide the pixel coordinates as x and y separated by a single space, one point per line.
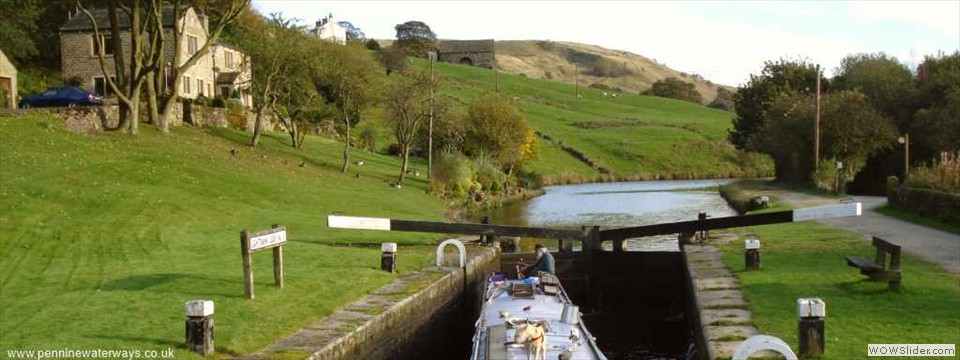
635 137
105 237
918 219
807 260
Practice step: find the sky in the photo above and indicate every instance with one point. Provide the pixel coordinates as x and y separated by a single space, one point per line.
723 41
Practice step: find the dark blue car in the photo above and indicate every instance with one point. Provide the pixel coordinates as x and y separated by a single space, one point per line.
61 96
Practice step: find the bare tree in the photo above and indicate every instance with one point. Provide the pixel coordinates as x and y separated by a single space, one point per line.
408 107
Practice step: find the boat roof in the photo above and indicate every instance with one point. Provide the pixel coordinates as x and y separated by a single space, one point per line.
495 330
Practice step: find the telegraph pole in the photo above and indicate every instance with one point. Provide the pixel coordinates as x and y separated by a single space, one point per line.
816 131
433 56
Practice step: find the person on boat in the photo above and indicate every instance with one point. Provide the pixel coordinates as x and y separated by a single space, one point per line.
544 262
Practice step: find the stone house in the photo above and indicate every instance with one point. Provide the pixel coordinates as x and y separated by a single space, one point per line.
8 83
330 30
467 52
231 69
79 61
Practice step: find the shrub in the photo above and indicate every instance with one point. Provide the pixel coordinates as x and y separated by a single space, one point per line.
218 102
372 44
452 175
236 115
368 138
675 89
942 174
608 68
825 176
489 175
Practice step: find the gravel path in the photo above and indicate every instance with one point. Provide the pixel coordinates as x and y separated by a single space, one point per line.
933 245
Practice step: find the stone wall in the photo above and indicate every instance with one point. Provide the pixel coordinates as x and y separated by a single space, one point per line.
419 326
931 203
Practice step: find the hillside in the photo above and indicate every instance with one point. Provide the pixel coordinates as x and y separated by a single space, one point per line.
555 60
624 137
106 236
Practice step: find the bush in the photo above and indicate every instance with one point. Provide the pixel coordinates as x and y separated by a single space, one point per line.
675 89
452 175
218 102
368 138
236 115
489 175
608 68
825 176
372 44
723 101
942 175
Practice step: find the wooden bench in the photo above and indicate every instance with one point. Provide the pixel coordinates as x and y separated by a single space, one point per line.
878 269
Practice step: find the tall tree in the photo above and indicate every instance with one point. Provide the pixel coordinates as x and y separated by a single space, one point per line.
351 79
887 83
753 100
18 27
416 38
407 100
271 45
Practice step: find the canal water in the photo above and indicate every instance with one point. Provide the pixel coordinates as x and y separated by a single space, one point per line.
620 204
636 304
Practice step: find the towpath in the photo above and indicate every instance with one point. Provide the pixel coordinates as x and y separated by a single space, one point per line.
931 244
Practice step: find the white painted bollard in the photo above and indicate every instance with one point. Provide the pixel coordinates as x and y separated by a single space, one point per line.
388 257
199 326
751 254
459 245
811 313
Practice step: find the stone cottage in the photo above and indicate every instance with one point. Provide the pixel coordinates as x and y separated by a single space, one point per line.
79 61
8 83
231 69
467 52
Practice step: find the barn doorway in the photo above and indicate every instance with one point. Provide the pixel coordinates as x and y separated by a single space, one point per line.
466 61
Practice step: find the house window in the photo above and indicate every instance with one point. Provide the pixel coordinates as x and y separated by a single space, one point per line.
229 59
100 86
224 92
210 90
106 41
200 87
192 45
186 84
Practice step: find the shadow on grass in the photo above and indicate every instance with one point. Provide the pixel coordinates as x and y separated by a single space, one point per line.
865 287
142 340
149 281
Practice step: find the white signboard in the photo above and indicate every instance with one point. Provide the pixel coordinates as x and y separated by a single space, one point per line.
268 240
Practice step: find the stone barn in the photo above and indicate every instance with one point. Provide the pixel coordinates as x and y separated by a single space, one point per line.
467 52
8 83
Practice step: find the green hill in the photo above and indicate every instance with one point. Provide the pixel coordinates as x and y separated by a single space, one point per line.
629 136
105 237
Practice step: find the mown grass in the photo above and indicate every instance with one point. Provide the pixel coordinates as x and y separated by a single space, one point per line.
636 137
807 260
105 237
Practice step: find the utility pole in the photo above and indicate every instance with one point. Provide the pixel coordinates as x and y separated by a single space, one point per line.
576 78
816 131
905 140
433 57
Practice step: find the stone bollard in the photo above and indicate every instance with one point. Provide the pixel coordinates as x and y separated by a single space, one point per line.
199 326
388 258
751 254
811 332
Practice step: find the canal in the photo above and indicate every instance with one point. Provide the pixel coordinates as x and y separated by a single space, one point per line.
636 304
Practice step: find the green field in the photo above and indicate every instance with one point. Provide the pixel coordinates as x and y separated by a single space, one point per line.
636 137
105 237
807 260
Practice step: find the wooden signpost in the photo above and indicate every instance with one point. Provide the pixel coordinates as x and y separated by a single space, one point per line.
274 239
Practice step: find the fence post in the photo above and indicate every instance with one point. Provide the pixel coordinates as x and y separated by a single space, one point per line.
278 263
247 264
388 257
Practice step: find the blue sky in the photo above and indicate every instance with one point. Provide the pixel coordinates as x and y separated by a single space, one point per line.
723 41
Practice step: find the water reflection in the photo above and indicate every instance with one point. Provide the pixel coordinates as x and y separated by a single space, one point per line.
620 204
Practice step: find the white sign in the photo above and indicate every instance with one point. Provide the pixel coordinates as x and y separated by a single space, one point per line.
268 240
751 244
811 307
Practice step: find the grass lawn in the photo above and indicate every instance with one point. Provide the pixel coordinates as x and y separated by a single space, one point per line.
918 219
634 136
807 260
105 237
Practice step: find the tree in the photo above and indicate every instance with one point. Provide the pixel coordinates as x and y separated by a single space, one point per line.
887 83
416 38
407 100
851 131
496 128
372 44
753 100
674 88
350 78
17 28
724 100
936 126
272 47
353 33
393 59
